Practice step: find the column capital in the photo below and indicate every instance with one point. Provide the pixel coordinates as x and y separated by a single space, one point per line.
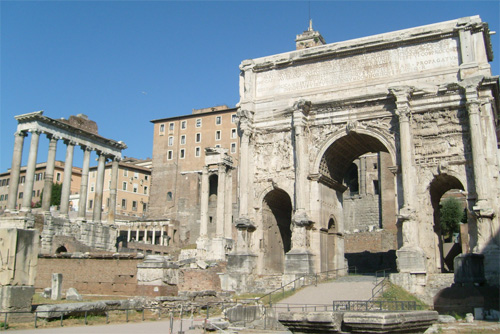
222 168
51 136
35 131
471 86
303 106
70 142
86 148
21 133
401 93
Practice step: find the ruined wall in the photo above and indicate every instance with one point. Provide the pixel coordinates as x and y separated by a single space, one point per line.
361 213
106 276
200 279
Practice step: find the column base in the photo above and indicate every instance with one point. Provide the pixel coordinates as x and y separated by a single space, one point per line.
411 259
299 262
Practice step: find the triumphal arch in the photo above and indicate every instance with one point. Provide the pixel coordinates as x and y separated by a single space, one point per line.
423 100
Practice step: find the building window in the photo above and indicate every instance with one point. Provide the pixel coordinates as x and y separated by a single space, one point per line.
162 129
171 126
233 133
38 193
91 203
92 188
169 196
21 194
144 207
233 147
197 151
183 140
375 166
146 177
183 125
136 175
124 186
1 197
134 205
145 190
217 135
218 145
376 187
182 153
58 177
6 196
124 204
170 155
170 141
136 188
198 137
233 118
198 122
21 179
125 172
218 120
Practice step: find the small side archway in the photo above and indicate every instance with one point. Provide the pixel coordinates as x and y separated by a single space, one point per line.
276 225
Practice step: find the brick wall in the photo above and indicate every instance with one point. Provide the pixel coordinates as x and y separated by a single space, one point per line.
106 276
200 279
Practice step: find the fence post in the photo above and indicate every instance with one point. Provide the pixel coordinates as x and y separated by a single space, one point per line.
5 322
62 314
85 318
143 314
126 315
36 318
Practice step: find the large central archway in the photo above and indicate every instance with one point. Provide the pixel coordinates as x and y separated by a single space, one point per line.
356 166
276 219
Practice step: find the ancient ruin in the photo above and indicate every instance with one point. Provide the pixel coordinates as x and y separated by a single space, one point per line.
421 103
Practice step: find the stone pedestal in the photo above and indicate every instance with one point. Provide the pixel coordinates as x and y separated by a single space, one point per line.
157 276
299 262
469 269
19 257
238 276
411 259
16 298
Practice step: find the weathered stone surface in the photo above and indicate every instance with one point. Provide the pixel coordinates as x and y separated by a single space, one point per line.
16 298
216 324
72 294
56 290
442 318
78 309
18 255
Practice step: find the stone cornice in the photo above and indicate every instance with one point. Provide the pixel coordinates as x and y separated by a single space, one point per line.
36 120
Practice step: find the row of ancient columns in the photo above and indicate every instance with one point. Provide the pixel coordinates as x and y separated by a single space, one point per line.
145 230
49 177
224 202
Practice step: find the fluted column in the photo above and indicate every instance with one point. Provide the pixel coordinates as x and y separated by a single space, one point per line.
99 188
68 169
49 173
30 171
228 206
243 169
84 186
15 170
221 188
204 202
129 231
112 190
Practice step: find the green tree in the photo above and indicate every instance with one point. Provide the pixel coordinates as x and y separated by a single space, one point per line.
451 214
55 198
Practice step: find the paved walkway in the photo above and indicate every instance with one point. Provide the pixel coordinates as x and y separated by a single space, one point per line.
344 288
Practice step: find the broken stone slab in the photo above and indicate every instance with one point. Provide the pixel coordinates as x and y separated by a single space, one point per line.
469 318
46 293
172 298
214 324
56 291
72 294
202 264
94 308
446 319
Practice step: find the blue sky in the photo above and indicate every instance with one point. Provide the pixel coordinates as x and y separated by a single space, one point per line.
124 63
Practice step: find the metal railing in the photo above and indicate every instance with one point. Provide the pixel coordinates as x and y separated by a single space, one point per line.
379 286
305 280
351 306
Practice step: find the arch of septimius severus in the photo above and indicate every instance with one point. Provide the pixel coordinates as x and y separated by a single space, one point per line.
423 99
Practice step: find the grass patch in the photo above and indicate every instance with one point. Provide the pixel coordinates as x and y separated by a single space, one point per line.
394 292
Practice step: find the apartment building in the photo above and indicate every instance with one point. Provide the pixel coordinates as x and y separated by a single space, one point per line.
134 184
178 158
76 177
